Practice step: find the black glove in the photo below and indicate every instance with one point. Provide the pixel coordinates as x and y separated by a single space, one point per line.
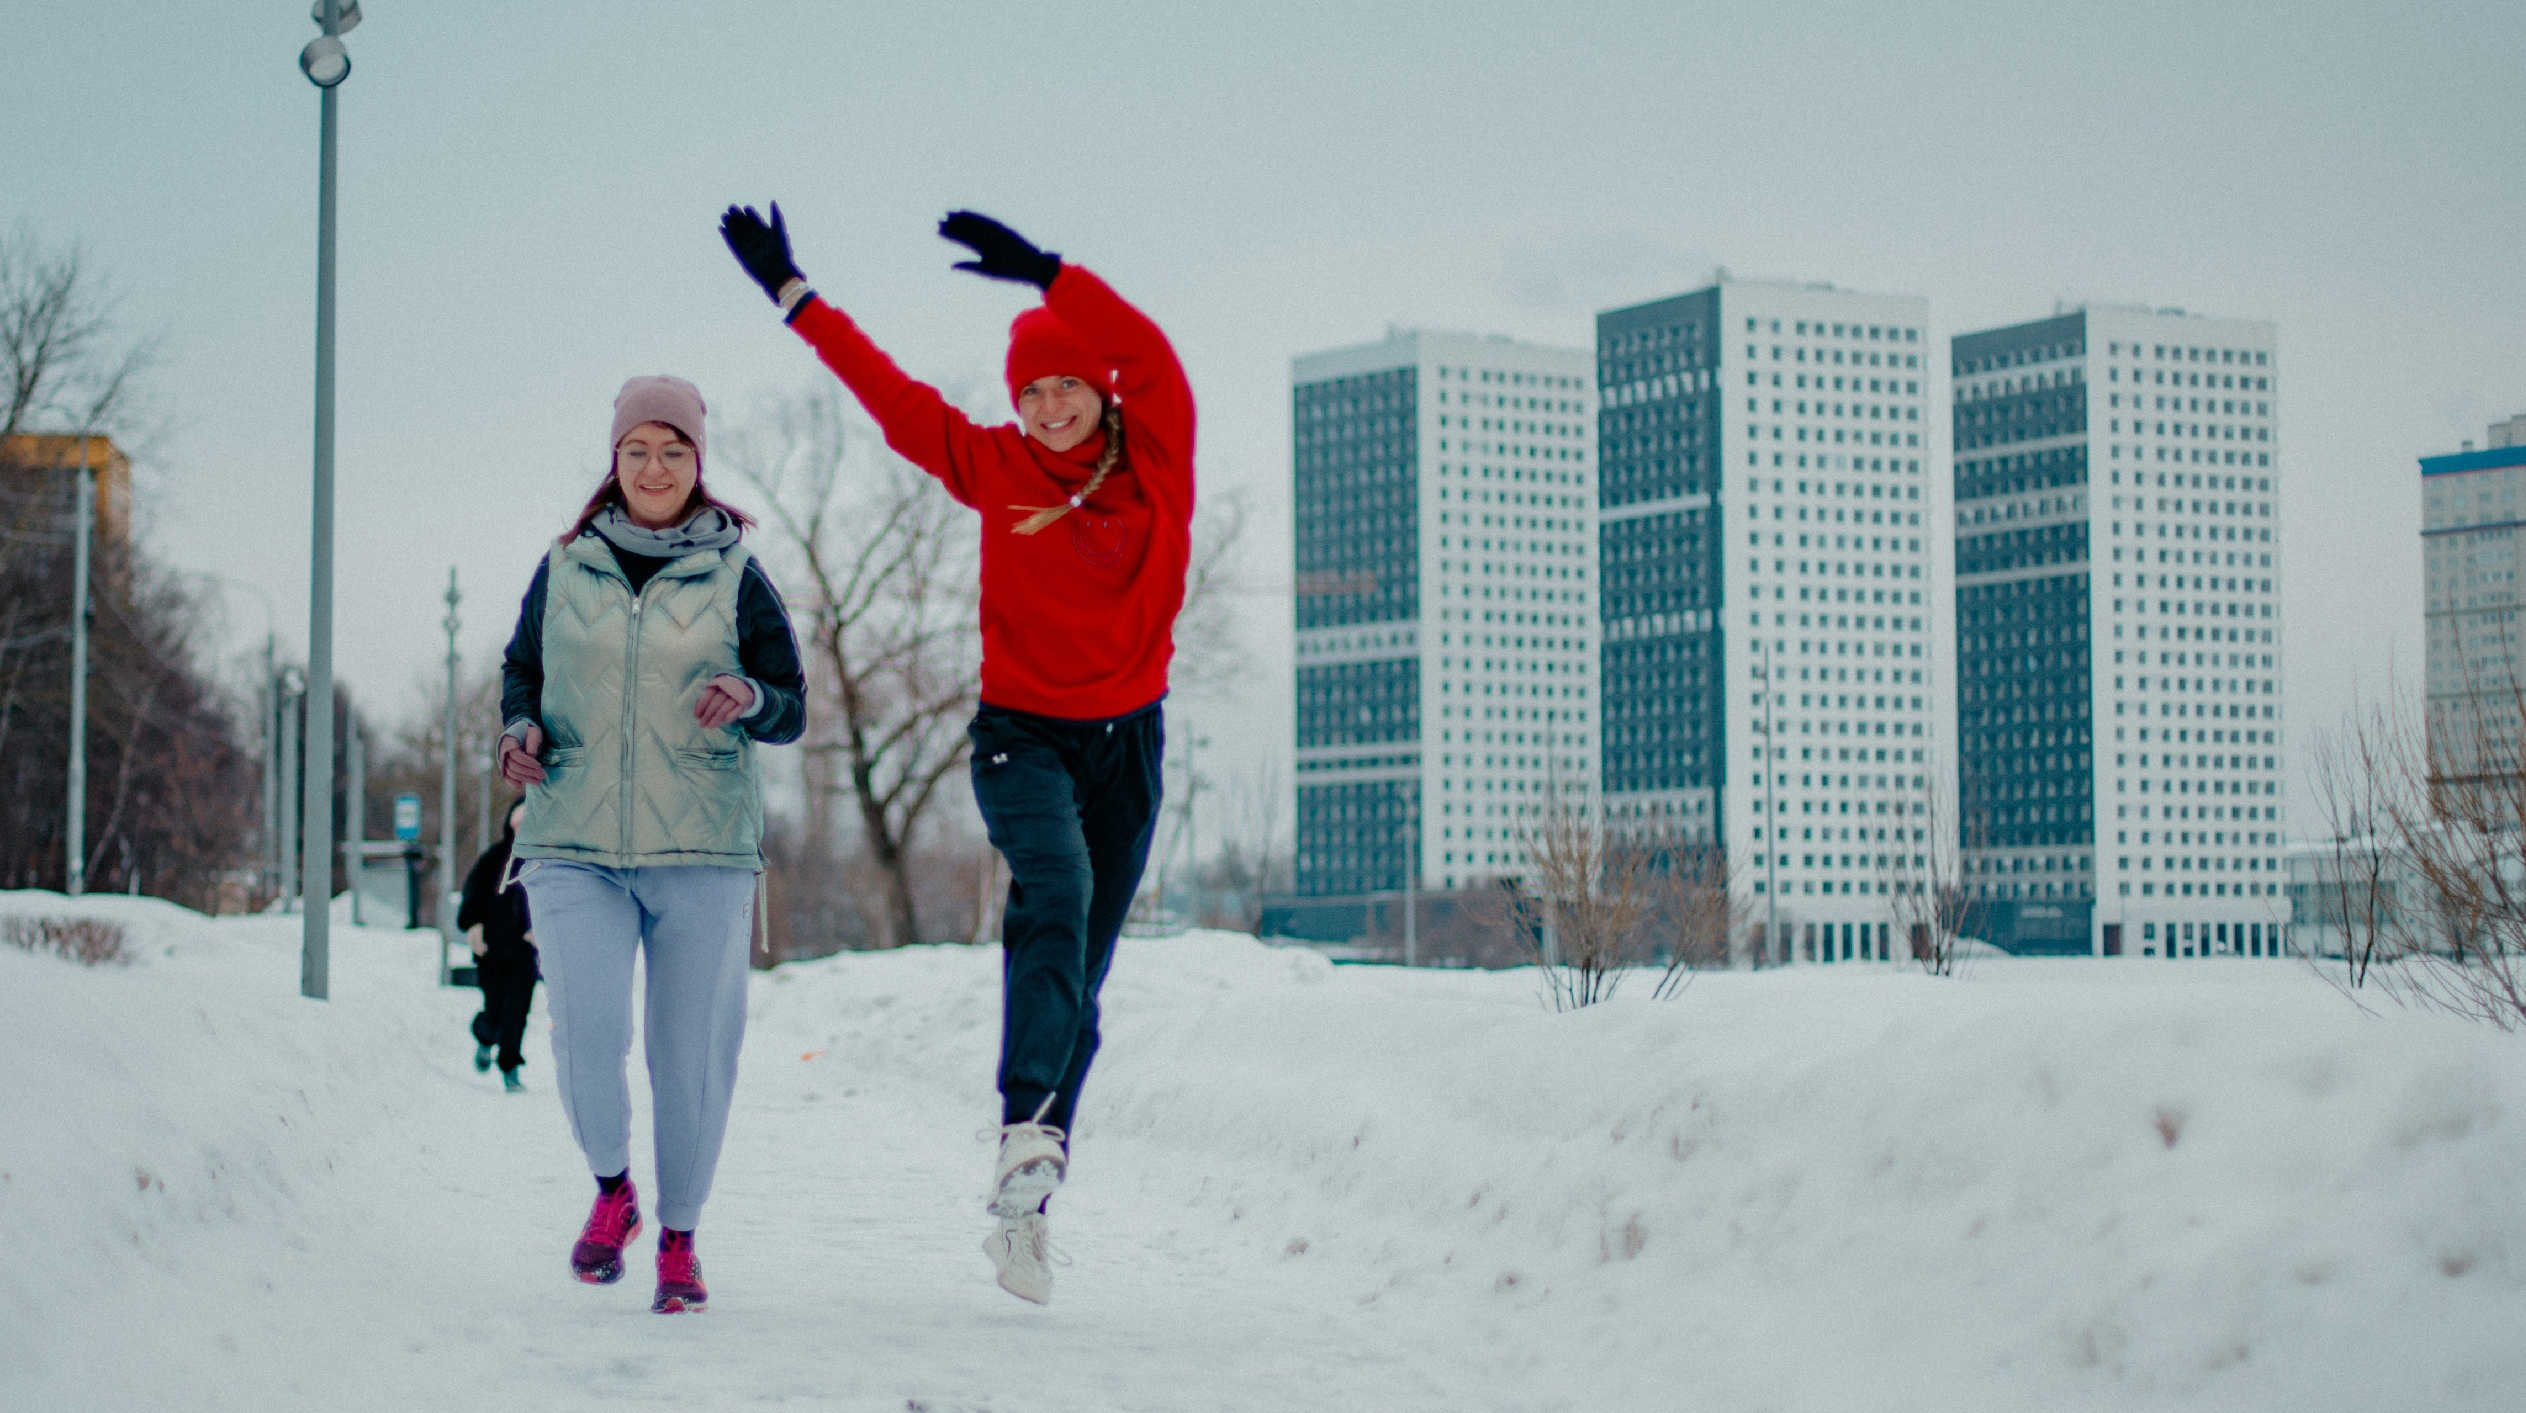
762 249
1002 253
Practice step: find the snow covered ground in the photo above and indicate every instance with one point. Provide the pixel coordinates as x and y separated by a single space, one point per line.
2053 1185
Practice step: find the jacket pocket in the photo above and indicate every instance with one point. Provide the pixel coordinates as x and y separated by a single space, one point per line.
710 760
563 757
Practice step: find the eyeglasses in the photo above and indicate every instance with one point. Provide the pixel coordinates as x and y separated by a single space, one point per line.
635 456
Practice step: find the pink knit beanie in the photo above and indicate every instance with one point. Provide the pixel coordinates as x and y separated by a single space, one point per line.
659 398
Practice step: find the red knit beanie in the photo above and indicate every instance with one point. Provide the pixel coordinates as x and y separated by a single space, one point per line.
1041 346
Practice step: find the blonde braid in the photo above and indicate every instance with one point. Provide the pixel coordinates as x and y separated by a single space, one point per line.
1044 515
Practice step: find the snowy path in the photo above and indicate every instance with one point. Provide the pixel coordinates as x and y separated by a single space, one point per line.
2107 1188
842 1246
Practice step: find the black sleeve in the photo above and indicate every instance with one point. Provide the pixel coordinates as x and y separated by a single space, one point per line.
522 667
480 884
768 650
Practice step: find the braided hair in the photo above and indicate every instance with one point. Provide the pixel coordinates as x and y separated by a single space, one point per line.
1043 515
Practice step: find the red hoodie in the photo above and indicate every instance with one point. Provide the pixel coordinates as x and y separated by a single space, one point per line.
1078 621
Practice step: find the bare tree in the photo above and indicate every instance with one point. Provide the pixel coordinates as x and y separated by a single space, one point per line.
169 780
1209 652
65 360
1922 877
2428 871
885 571
884 565
1253 858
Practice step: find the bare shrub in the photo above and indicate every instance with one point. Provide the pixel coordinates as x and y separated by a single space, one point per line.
1696 909
91 942
2358 891
1933 904
1583 907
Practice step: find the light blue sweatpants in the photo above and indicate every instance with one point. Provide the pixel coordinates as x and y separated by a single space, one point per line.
694 923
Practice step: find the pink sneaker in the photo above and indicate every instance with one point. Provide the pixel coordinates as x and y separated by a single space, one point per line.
680 1285
612 1223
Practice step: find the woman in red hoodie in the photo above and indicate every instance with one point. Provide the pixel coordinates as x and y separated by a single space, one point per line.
1087 511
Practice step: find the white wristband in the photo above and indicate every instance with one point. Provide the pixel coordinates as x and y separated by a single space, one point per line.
792 295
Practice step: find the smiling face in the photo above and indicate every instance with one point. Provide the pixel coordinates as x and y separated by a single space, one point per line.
1060 411
656 468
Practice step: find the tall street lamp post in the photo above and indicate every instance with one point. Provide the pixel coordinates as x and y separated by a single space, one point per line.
75 826
326 64
447 790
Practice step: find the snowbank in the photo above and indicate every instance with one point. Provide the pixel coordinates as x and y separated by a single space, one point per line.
2056 1184
182 1115
2054 1181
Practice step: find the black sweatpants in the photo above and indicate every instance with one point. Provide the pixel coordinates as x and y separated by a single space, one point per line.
1072 806
507 977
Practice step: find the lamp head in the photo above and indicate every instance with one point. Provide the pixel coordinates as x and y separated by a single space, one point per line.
324 61
346 16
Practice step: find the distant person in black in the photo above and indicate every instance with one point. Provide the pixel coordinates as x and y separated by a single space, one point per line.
494 919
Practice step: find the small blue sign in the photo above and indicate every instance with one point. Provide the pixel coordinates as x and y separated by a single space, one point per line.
407 817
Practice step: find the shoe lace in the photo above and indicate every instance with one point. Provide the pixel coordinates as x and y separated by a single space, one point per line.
612 1216
1039 1235
1052 1131
1007 1131
678 1264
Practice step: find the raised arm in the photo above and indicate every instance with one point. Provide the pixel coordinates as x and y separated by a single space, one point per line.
920 424
1155 393
1149 378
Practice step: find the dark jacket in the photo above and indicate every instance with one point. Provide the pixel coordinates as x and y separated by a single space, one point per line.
500 911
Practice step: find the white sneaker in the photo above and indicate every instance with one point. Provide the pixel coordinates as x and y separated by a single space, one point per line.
1021 1253
1031 1167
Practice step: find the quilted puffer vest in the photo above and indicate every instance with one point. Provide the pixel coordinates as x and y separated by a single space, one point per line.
630 778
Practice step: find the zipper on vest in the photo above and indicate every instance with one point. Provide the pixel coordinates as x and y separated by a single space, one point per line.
631 681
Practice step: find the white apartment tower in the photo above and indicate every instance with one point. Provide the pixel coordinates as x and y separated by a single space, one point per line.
1766 662
2473 506
2118 651
1445 524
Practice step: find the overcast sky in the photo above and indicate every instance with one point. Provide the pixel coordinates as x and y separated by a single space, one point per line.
529 194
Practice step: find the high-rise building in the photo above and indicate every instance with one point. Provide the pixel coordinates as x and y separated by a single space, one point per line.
1766 664
2473 505
2119 735
1445 508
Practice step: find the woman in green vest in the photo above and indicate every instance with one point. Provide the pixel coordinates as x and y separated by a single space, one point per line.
650 656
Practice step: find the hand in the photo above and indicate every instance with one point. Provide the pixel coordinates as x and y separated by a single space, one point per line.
724 699
473 939
1003 253
518 763
762 249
